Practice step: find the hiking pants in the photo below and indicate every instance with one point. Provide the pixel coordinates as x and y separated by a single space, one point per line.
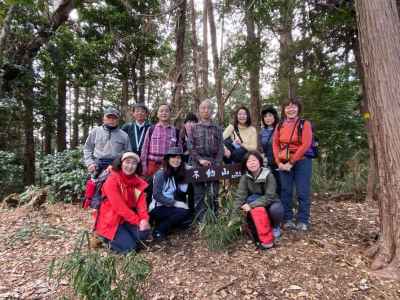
299 175
128 238
168 217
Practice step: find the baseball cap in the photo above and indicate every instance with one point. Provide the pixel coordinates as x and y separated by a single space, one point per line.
111 111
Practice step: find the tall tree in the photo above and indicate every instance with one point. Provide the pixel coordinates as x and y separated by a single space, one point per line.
216 64
180 29
61 113
378 26
253 62
287 57
75 118
204 53
195 56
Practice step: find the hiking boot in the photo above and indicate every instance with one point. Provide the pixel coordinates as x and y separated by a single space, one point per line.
302 226
289 225
265 246
158 236
276 232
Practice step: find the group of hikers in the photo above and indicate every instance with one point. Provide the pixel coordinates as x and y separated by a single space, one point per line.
146 192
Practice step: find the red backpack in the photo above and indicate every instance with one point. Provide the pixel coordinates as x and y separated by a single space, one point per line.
93 197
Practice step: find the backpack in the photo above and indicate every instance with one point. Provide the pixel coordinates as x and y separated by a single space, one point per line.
93 197
313 151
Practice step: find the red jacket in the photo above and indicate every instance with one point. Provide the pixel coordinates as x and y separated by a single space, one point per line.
125 201
282 137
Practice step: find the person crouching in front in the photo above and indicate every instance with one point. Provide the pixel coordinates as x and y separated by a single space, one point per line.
168 208
122 218
257 198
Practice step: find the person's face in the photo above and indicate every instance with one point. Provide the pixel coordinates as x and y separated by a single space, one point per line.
252 164
175 161
269 119
139 114
205 111
129 166
163 113
291 111
242 117
110 120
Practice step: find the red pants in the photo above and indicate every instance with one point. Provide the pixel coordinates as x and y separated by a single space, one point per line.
261 221
152 167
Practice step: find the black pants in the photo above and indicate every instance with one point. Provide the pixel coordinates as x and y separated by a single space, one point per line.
167 218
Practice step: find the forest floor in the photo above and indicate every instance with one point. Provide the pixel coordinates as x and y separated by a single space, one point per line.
326 263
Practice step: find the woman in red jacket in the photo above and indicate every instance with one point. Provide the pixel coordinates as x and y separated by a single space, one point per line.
122 218
290 147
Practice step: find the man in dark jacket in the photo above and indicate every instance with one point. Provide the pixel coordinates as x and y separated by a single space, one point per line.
137 129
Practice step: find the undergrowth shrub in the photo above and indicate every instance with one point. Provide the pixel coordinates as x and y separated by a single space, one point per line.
95 275
65 174
352 180
223 230
11 170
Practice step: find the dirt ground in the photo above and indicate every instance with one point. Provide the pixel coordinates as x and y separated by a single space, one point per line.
326 263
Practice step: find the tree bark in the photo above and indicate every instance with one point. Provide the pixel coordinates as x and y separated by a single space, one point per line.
253 64
61 113
216 66
75 122
125 100
204 53
48 133
195 56
179 56
287 58
378 23
372 175
149 82
29 145
86 117
142 78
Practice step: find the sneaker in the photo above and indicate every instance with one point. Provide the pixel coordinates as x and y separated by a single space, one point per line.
276 232
302 226
289 225
265 246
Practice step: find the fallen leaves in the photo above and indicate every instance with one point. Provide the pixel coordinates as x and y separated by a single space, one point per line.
324 264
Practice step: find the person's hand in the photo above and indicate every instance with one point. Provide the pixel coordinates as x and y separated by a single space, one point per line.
144 225
281 166
289 166
180 204
237 141
204 162
227 153
92 168
246 207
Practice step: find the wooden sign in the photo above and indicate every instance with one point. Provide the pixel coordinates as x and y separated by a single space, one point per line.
213 173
